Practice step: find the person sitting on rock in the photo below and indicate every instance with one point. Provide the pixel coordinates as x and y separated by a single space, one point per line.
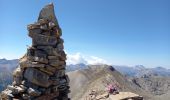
112 89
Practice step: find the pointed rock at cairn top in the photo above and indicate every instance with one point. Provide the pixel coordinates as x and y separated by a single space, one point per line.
48 13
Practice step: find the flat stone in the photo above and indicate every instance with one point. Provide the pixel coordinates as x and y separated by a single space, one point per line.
37 65
50 68
56 63
39 39
33 26
37 77
41 60
34 31
47 13
46 71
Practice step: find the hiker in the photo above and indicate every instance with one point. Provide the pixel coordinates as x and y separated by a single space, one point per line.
112 89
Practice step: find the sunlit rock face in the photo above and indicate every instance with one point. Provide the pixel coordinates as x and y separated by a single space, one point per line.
40 74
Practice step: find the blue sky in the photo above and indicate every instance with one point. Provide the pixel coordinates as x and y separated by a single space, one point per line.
122 32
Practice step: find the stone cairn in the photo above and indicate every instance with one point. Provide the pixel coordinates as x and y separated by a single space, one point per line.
40 74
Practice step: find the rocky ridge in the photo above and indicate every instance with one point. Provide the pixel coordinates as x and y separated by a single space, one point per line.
40 74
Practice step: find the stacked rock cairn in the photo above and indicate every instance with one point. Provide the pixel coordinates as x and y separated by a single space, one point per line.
40 74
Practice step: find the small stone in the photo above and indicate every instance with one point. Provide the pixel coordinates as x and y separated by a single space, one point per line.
33 92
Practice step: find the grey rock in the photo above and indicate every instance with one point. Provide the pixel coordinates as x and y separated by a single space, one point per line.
37 77
56 63
47 13
39 39
37 65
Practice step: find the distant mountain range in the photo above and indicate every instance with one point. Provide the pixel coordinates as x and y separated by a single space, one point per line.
6 68
137 71
140 70
149 82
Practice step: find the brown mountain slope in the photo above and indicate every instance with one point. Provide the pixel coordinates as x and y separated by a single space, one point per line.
97 77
